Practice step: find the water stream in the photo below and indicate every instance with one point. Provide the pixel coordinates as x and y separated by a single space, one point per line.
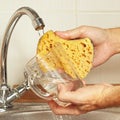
41 32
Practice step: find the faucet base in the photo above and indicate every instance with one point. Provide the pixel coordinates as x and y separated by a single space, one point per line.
5 106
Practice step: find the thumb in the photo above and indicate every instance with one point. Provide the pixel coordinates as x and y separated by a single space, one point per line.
73 33
65 93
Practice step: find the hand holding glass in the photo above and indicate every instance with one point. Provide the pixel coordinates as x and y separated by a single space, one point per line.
45 72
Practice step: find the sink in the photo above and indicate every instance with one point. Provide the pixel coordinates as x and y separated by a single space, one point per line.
41 111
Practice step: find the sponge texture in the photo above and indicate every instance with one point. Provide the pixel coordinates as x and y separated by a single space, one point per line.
79 51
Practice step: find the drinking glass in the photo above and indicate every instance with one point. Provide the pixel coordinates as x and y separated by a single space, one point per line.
45 72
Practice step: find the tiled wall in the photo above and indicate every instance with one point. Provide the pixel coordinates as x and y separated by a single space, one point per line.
58 15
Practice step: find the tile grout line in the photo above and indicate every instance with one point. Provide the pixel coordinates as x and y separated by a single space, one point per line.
100 12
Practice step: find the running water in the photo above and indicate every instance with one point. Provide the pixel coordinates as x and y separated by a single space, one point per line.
41 32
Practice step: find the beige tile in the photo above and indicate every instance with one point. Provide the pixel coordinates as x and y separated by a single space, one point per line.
59 21
58 15
98 5
48 5
108 72
98 19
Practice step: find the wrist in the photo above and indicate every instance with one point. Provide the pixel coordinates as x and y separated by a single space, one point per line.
114 39
111 97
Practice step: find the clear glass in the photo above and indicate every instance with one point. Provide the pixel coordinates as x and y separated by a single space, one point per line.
45 72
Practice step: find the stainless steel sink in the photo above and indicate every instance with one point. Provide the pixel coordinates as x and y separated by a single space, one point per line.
37 111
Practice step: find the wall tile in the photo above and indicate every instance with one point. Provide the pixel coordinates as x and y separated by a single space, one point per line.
109 72
60 21
48 5
99 19
98 5
23 44
58 15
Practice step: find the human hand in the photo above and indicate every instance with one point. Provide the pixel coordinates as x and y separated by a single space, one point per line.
101 38
82 100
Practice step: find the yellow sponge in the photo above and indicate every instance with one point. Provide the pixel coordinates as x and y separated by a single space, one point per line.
79 51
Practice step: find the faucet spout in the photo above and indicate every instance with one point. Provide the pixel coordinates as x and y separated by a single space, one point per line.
37 24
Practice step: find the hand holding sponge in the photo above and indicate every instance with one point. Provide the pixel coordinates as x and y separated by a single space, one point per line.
79 51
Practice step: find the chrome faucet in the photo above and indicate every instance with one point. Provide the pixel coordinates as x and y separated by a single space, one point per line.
8 95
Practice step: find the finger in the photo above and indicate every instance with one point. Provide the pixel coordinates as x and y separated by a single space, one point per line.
84 83
70 110
67 95
69 86
73 33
